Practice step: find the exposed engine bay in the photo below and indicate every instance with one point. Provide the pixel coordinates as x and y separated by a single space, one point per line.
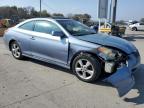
112 59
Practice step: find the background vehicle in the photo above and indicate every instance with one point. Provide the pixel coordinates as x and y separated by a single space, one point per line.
70 44
95 27
6 22
132 22
136 26
106 28
110 29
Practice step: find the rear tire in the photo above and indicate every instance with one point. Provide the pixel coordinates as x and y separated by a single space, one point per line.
16 50
86 67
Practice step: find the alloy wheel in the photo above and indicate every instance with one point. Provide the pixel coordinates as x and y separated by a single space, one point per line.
84 69
16 50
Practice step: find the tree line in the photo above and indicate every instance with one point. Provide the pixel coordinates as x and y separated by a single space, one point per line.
23 13
11 12
14 12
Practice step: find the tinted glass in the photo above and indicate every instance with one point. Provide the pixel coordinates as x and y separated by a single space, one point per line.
27 26
46 27
141 23
76 28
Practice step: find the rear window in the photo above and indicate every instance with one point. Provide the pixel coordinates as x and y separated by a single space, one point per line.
27 26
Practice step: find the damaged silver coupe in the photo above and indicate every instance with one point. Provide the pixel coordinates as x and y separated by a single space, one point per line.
72 45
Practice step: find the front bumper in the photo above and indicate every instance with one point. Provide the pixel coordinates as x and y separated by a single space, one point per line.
123 78
134 61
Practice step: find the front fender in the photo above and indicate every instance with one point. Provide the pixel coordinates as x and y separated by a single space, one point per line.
75 49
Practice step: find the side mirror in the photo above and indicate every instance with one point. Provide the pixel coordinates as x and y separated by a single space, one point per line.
58 33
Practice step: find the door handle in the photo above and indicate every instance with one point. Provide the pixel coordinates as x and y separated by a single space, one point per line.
32 38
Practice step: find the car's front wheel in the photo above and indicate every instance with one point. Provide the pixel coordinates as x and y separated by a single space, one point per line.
16 50
86 67
134 29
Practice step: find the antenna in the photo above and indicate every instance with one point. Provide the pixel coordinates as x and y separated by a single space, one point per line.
40 8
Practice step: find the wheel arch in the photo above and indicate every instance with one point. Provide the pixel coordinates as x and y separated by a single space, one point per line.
10 42
84 52
134 28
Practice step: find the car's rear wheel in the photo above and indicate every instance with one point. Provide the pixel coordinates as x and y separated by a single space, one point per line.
86 67
16 50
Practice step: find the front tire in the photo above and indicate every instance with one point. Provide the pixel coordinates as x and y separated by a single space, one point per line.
86 67
16 50
134 29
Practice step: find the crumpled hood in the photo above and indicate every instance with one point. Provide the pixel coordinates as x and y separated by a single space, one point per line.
111 41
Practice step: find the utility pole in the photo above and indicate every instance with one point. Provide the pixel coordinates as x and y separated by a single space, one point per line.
110 12
40 8
114 11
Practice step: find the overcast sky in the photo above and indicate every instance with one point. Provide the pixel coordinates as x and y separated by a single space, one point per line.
127 9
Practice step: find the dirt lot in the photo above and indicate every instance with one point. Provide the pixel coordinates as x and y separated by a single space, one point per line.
33 84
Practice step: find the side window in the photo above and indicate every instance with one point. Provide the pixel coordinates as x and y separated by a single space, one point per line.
27 26
46 27
141 23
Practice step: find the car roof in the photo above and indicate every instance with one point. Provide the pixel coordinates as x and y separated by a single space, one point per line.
48 19
55 18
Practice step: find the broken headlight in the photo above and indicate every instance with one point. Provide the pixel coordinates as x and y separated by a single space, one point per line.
108 54
113 58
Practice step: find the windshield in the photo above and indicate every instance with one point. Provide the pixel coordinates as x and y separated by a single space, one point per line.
76 28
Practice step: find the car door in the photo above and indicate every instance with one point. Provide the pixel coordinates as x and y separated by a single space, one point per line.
141 27
46 46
